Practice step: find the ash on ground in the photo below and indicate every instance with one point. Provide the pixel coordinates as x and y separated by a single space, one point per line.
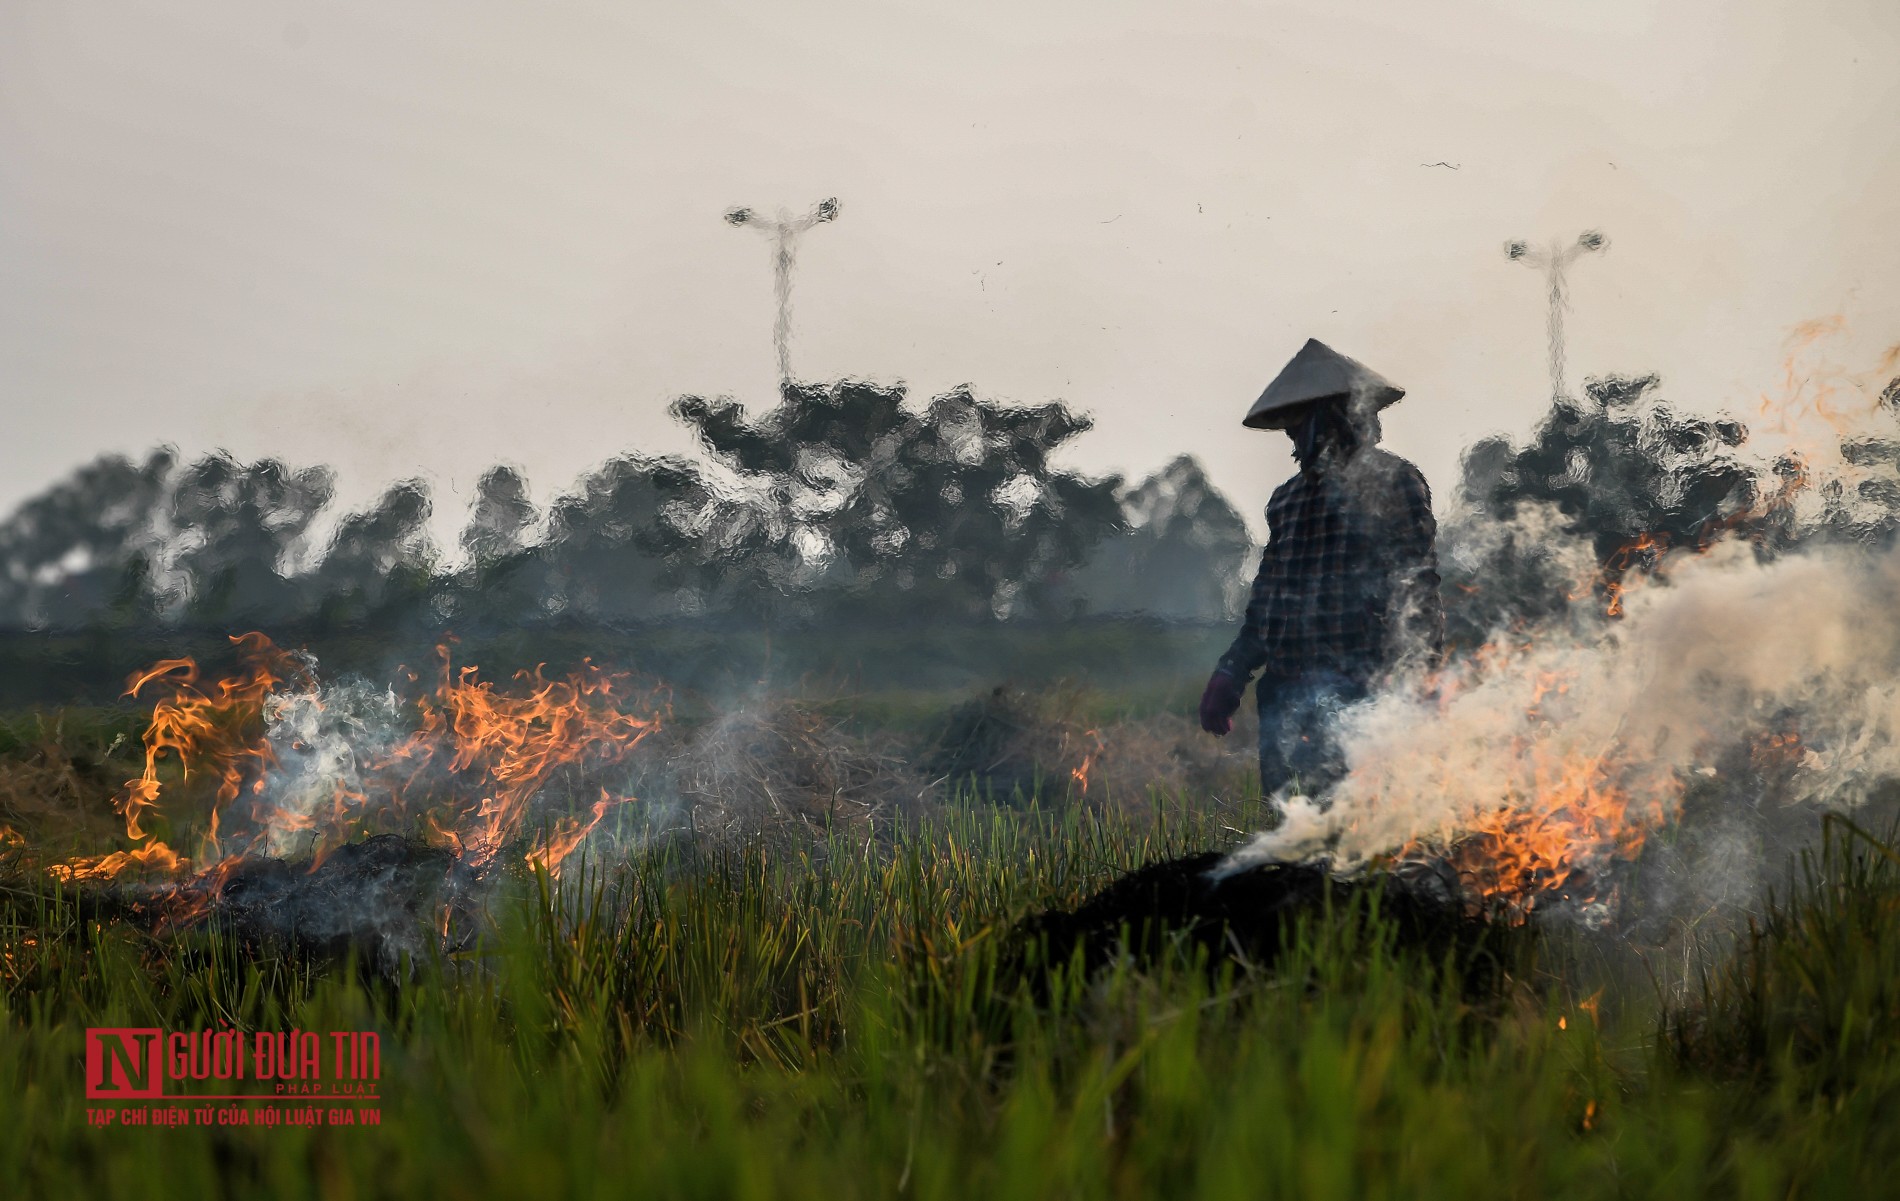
1248 916
390 901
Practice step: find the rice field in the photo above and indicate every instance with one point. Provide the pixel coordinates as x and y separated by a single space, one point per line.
838 1019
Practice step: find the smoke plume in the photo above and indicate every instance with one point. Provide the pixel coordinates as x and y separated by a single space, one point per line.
1672 623
1718 653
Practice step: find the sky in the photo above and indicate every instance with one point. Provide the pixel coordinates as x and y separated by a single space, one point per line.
419 239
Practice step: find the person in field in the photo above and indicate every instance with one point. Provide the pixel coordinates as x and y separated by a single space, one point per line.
1348 583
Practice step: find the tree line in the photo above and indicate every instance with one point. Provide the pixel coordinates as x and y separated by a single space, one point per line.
843 502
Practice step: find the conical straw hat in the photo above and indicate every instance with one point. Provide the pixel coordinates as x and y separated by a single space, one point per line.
1319 372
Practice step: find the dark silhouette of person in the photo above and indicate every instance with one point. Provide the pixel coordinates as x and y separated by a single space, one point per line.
1348 584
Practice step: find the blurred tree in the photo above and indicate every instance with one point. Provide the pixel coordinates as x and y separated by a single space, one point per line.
955 510
502 516
85 545
1620 465
234 531
1183 555
636 541
1621 472
378 560
1860 501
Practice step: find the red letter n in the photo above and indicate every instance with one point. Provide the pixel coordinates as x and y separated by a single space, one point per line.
123 1063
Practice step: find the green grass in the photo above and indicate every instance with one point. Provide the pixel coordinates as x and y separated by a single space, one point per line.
829 1026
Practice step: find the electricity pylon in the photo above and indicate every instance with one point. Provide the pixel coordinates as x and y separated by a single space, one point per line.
784 230
1554 259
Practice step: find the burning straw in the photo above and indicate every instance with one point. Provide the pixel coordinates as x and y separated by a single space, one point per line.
1536 768
465 771
1760 664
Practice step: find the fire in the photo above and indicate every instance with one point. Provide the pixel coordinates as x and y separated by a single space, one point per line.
1080 772
1553 844
1818 401
220 730
1533 768
1817 409
1643 551
562 841
467 775
1573 820
1563 819
1554 823
1774 751
155 857
509 747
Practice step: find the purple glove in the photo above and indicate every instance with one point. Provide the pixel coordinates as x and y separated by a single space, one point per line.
1219 702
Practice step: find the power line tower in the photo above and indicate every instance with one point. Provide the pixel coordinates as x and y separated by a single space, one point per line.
784 230
1555 259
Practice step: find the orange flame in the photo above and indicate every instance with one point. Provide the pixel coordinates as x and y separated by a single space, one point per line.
510 746
1080 772
563 839
1642 551
1774 751
221 730
470 771
155 857
1817 407
1558 833
1559 827
1576 821
192 900
1554 843
1819 400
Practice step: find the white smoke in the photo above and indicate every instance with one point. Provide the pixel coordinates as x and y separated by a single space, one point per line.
345 760
1717 656
326 742
1713 653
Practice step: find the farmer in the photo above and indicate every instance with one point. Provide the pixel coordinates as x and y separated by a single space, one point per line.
1348 584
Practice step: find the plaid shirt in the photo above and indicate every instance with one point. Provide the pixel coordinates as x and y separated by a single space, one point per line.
1349 579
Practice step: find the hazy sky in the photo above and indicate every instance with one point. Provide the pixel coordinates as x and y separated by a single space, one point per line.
417 238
